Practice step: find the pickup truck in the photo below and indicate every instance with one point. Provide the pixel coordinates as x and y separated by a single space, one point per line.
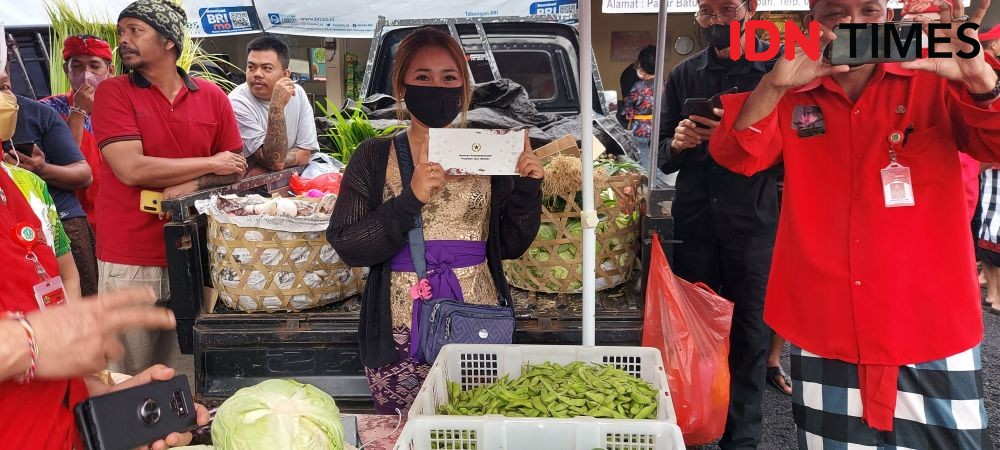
319 346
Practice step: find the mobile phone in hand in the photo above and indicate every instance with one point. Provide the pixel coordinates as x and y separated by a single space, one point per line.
699 107
25 148
868 47
137 416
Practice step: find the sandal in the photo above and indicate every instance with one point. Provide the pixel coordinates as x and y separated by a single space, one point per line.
777 378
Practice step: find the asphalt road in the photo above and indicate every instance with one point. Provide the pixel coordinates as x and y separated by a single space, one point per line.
779 431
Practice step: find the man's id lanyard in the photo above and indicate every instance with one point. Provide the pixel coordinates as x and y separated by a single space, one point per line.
49 291
897 185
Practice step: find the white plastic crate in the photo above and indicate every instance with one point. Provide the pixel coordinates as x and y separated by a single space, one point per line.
497 432
473 365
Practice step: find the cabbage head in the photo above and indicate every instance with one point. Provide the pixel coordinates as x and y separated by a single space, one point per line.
546 232
278 414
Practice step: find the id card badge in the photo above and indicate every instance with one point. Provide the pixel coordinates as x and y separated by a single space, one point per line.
897 186
50 292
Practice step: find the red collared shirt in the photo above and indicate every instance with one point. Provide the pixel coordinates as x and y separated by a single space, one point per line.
852 279
198 123
37 415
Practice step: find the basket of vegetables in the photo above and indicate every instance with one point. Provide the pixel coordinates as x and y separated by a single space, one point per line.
271 255
554 262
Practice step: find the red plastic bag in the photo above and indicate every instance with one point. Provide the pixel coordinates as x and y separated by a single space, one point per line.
690 325
328 183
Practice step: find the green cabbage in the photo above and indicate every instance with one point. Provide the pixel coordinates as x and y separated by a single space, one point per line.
278 414
576 285
538 254
623 221
567 251
574 228
560 273
194 447
546 232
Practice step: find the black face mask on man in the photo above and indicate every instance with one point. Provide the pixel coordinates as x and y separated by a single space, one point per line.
433 106
718 35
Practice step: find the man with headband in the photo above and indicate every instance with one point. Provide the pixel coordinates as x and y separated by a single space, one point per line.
159 130
873 280
87 62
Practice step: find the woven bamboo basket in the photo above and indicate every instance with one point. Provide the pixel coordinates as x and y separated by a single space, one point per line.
256 269
555 264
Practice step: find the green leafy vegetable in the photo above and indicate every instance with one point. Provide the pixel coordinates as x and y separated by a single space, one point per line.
547 232
538 254
278 414
567 251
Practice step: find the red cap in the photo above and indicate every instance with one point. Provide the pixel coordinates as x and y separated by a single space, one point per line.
921 6
993 33
78 46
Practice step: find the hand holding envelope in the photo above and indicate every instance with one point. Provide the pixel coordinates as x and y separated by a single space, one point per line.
462 151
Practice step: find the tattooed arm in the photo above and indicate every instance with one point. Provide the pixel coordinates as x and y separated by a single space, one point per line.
273 153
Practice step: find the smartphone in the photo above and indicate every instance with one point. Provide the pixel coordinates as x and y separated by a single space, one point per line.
699 107
25 148
151 202
137 416
838 52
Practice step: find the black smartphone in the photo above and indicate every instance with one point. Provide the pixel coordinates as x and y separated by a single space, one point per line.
699 107
25 148
869 48
137 416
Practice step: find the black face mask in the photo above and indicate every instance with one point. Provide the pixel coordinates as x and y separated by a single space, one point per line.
717 35
433 106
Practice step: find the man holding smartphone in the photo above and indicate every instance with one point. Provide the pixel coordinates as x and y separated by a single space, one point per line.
874 279
726 221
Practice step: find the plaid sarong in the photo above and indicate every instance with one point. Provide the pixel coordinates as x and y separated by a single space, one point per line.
939 405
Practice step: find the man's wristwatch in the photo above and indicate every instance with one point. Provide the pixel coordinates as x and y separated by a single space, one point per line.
987 96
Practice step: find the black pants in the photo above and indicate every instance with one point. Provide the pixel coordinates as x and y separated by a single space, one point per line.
737 268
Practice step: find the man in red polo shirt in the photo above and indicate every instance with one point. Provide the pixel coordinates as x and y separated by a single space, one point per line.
873 280
158 130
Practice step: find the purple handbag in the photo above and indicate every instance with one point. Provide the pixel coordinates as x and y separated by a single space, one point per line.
442 321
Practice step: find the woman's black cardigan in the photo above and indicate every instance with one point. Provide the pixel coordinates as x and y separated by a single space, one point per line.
367 232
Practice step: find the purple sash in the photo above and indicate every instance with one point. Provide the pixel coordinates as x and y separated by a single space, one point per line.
442 256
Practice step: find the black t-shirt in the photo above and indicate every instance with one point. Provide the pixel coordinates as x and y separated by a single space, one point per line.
42 125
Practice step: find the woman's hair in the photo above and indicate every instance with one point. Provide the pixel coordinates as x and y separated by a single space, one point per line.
422 38
647 59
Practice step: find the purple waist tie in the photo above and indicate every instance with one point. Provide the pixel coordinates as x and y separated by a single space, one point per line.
442 256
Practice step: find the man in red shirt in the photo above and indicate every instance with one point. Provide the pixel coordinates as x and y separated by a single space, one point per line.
873 280
87 62
161 130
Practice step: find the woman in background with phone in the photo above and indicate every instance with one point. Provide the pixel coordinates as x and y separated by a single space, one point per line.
483 219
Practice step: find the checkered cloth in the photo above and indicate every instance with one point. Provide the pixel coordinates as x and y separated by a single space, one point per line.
939 405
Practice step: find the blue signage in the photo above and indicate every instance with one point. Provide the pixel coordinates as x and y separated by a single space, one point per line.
234 19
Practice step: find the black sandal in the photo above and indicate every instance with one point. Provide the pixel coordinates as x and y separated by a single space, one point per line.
776 373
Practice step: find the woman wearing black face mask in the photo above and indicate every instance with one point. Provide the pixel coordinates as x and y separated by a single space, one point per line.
470 224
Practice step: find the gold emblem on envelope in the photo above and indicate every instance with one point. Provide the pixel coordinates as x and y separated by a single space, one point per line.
476 147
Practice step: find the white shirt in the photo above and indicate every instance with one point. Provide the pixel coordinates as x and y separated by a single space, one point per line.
252 113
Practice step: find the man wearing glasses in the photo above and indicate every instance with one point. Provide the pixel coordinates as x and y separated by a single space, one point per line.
726 221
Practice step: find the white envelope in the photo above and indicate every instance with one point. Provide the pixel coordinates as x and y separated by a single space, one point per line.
463 151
